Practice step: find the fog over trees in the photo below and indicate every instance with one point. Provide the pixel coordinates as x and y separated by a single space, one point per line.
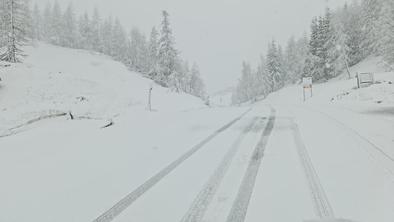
337 40
155 56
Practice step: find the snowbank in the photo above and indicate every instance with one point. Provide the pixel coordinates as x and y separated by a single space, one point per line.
89 85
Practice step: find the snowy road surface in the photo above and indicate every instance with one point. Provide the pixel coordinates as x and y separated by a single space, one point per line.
262 169
273 163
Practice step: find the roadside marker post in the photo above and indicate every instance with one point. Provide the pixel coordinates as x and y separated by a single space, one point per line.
150 98
307 83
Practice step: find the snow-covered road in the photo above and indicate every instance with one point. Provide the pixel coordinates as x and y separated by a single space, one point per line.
300 166
291 164
304 174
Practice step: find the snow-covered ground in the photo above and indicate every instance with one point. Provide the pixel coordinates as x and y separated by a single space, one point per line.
56 80
52 167
349 134
328 158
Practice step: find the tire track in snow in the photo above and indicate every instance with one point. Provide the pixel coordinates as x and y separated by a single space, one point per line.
241 203
125 202
358 135
19 128
200 205
321 203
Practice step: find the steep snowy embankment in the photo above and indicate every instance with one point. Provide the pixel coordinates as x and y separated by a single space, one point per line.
55 80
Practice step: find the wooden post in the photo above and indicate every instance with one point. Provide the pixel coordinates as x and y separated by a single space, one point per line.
311 91
358 80
150 99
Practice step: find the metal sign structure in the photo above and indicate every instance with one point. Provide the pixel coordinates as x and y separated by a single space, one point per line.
365 78
307 84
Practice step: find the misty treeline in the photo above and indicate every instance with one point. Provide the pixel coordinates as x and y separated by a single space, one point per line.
155 56
337 40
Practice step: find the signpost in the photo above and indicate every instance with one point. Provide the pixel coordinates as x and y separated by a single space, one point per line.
307 83
150 98
365 78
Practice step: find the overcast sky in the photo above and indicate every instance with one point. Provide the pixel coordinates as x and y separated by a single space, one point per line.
217 34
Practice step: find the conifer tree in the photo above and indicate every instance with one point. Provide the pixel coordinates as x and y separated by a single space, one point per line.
95 27
153 52
385 34
119 42
36 23
274 67
69 30
84 31
167 54
16 26
56 25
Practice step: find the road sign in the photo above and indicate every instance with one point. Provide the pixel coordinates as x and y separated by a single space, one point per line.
307 82
365 78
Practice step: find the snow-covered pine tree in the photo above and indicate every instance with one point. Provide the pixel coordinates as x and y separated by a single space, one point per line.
291 59
167 54
69 30
95 27
16 27
107 35
84 29
119 42
3 24
386 31
256 83
335 49
302 46
133 49
339 52
274 67
46 22
314 39
352 23
56 25
370 10
138 52
153 53
185 81
314 61
282 67
197 87
320 45
36 23
264 82
179 76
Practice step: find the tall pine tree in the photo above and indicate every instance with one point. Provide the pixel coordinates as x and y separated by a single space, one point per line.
167 54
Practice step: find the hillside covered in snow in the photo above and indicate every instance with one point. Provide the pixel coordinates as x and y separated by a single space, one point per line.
53 81
64 156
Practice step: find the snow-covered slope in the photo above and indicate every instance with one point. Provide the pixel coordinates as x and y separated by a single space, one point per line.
344 89
53 80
